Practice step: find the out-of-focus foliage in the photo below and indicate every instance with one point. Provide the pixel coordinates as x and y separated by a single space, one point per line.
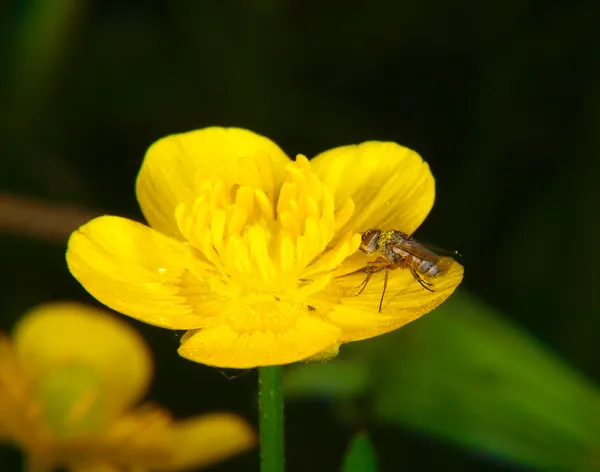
360 456
332 380
466 374
501 99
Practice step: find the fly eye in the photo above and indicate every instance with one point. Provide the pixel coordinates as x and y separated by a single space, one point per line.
369 241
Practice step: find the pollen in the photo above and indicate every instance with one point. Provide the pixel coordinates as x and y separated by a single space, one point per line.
261 238
385 237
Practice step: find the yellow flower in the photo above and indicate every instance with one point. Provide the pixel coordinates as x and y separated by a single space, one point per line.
68 381
245 246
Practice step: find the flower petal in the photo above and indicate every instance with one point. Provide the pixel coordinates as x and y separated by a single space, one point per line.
405 301
135 270
18 419
391 186
57 335
147 438
94 467
207 439
138 439
169 173
222 346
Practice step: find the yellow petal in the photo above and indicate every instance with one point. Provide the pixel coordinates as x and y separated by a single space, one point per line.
96 467
207 439
405 300
172 167
390 185
328 354
135 270
147 438
137 440
222 346
54 336
18 416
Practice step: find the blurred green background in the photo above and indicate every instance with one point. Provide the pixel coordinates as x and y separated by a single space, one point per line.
502 100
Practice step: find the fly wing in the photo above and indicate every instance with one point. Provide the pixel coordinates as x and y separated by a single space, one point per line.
415 249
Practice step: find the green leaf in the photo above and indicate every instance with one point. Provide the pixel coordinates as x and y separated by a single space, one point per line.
466 374
360 455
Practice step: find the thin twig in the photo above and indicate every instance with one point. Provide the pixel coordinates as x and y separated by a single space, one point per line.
26 216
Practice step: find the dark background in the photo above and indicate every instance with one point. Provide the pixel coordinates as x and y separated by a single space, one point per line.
502 99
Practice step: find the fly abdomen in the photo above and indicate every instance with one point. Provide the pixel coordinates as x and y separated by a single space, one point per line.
429 268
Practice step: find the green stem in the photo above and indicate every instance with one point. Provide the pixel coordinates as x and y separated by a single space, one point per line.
271 419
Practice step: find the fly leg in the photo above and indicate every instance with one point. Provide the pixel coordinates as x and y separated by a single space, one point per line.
426 285
385 282
365 282
372 267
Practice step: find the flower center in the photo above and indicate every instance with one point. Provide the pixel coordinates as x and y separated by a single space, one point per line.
265 235
71 400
